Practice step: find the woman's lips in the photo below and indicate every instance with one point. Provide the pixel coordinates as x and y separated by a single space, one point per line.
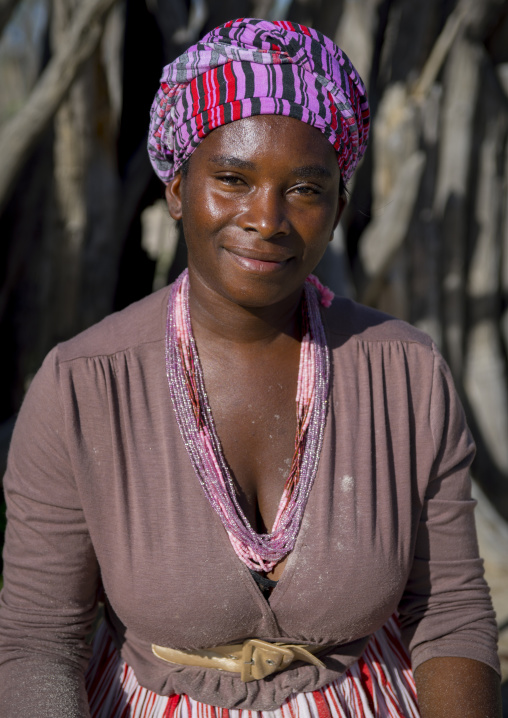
255 264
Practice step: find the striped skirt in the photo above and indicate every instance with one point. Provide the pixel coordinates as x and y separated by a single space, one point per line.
379 685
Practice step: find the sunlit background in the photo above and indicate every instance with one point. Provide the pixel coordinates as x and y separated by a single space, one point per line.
84 229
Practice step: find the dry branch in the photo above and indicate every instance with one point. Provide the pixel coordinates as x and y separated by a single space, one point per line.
386 234
20 134
440 51
468 13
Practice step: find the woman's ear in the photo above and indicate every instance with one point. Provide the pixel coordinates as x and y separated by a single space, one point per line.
174 196
340 209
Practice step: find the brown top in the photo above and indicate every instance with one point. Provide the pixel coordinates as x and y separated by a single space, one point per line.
99 481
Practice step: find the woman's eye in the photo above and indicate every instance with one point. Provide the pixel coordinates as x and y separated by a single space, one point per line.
231 180
306 189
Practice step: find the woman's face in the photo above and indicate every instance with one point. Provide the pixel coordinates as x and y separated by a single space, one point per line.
259 203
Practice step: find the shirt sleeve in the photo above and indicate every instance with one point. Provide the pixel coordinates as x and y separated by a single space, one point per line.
51 575
446 608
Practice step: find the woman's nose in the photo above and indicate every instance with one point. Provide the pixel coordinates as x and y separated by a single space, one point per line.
265 212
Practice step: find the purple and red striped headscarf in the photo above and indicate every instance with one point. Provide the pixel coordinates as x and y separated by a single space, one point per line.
256 67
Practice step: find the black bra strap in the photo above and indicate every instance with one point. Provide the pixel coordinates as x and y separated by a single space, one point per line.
263 582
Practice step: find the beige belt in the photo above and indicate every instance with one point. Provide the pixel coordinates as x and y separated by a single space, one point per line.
253 659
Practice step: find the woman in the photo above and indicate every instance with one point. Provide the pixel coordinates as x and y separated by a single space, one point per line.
152 451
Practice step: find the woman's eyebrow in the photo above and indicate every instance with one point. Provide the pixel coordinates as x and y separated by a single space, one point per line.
304 172
228 161
312 171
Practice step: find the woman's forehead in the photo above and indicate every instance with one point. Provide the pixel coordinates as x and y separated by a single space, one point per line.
273 137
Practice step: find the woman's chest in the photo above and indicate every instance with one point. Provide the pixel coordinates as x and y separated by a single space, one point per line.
254 409
174 579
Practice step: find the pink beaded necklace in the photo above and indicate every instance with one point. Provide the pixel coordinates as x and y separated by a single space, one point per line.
260 552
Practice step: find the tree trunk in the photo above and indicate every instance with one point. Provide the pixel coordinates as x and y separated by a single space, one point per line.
20 135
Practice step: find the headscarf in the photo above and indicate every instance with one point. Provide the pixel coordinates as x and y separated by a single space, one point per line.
255 67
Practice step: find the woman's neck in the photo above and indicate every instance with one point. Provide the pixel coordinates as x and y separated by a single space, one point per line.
215 317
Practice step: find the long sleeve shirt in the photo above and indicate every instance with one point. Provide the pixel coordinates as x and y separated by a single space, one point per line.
101 493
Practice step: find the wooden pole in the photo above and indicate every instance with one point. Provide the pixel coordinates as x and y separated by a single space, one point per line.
19 135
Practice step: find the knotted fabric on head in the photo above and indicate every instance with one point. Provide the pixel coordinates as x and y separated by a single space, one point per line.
255 67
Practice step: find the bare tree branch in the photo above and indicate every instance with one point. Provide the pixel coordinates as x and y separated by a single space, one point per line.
385 235
20 134
474 16
440 51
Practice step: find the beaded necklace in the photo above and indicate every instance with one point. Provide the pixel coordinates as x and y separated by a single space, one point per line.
260 552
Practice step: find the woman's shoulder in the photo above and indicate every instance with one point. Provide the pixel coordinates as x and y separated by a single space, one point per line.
141 323
346 319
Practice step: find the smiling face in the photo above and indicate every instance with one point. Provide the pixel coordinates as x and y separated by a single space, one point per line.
259 203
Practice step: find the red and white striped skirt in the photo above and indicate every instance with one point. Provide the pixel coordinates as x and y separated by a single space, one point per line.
379 685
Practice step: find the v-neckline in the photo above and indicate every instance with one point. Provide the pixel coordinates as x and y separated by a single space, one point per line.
179 334
269 603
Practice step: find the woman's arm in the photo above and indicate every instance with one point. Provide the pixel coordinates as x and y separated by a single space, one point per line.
446 613
457 688
50 572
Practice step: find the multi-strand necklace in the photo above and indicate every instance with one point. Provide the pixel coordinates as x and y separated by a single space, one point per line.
260 552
